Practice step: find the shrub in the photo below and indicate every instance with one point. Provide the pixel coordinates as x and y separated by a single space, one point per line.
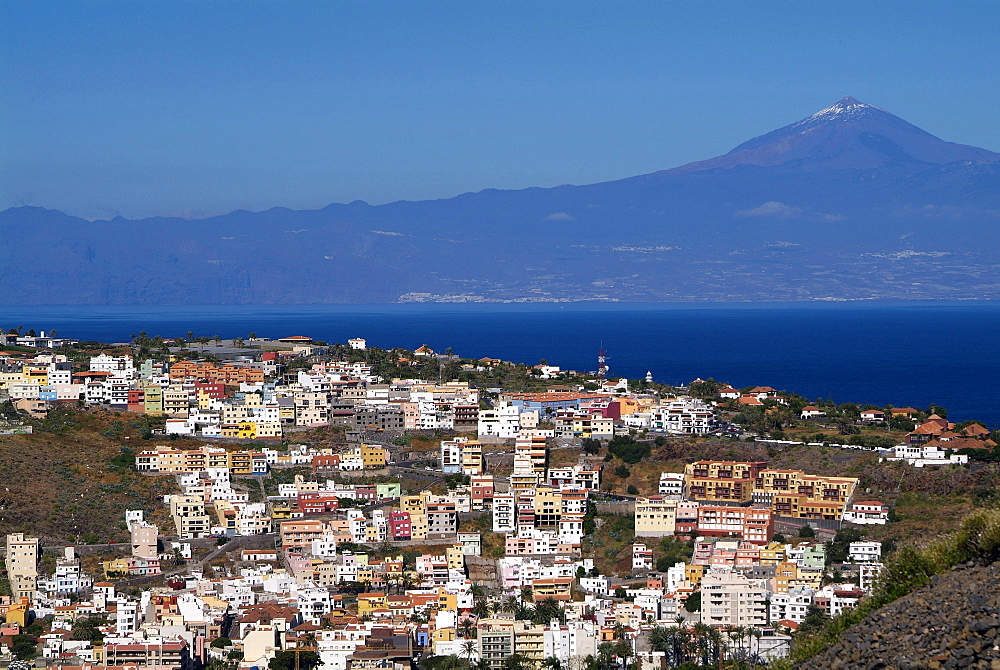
627 449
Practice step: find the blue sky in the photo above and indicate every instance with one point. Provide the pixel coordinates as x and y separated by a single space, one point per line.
196 108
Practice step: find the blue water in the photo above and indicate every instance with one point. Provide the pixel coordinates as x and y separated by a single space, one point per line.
904 354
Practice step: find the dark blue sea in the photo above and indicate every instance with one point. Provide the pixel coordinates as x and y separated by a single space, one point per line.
904 354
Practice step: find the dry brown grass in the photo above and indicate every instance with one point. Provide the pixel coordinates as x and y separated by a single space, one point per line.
60 485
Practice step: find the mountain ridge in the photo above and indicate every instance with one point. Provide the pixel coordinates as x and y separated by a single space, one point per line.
823 208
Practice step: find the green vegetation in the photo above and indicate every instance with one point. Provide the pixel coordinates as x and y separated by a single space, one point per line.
294 660
693 603
978 539
628 449
672 551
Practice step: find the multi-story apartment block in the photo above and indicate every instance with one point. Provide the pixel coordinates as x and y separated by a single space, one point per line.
462 455
442 518
722 481
730 599
504 513
189 516
684 416
548 507
481 490
754 524
144 540
792 493
22 565
300 533
655 517
531 453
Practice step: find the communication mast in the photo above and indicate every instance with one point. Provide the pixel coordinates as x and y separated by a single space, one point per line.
602 363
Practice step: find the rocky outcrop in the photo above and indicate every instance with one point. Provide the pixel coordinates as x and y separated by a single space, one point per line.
954 622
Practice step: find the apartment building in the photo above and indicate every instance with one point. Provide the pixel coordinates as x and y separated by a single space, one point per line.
753 524
731 599
189 516
792 493
22 565
729 482
655 516
683 416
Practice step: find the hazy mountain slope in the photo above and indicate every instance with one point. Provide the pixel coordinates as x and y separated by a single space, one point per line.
851 202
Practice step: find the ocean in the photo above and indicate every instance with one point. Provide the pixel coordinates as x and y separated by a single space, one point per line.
879 353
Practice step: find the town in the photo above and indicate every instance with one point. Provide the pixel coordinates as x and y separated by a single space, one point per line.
321 507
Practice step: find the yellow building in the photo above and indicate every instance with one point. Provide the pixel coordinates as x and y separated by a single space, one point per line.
114 568
655 517
772 554
153 399
35 374
694 573
455 557
18 612
370 601
472 458
793 493
415 503
447 601
529 641
552 587
418 526
786 575
721 481
373 457
240 462
246 430
548 507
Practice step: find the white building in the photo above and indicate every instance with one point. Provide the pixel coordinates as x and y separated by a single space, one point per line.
730 599
684 416
867 512
672 485
502 422
865 551
792 605
923 456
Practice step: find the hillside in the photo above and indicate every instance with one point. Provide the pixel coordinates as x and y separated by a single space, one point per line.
851 202
934 606
67 480
953 623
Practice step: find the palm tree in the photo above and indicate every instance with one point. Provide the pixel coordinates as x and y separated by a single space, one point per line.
467 628
252 336
507 605
481 609
517 662
469 649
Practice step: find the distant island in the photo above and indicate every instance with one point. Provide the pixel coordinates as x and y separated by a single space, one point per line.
851 203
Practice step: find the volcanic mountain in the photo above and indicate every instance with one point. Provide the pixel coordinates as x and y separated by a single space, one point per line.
851 202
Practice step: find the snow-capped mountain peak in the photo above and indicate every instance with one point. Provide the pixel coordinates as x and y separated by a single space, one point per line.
844 108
